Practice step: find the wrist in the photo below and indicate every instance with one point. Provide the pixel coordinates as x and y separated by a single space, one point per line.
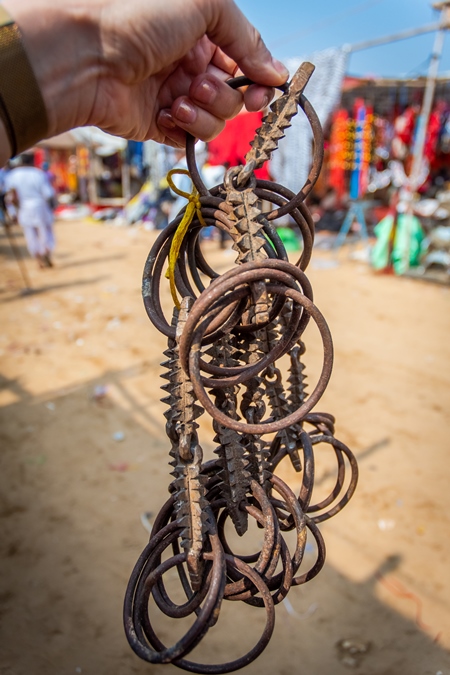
63 46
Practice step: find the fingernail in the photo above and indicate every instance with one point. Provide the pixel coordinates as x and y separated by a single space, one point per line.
206 92
165 119
265 103
185 112
280 68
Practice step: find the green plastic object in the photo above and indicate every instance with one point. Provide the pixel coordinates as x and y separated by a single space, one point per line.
407 246
289 238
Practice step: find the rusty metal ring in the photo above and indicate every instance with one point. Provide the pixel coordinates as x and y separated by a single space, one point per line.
280 348
264 559
153 272
273 246
217 669
277 270
307 487
298 516
298 215
320 543
323 423
139 631
160 596
232 375
273 264
152 277
294 417
159 593
321 553
268 227
282 582
240 374
339 448
287 195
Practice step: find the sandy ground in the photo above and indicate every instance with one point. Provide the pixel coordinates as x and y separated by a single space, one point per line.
72 496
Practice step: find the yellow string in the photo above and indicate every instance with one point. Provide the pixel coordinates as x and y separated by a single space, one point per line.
193 207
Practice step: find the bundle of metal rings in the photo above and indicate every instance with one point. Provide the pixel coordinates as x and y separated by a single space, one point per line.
230 342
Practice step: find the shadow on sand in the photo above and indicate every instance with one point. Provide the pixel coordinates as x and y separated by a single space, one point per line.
70 534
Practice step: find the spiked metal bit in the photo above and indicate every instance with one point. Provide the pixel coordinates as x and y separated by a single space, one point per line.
297 378
190 509
278 120
235 479
188 486
248 240
253 408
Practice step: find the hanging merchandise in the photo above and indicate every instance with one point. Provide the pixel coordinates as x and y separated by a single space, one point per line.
340 151
377 125
436 127
367 150
404 127
399 243
383 131
359 177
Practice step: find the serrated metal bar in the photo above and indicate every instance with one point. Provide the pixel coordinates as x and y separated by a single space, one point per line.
274 124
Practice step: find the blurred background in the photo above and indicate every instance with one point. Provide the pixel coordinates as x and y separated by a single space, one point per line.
84 455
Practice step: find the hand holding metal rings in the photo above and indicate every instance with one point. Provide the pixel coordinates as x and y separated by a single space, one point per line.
228 335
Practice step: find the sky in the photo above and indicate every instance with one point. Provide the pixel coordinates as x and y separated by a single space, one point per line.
297 28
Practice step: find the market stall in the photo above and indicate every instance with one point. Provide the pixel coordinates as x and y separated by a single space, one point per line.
89 165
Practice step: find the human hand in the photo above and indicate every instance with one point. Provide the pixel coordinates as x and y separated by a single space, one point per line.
145 68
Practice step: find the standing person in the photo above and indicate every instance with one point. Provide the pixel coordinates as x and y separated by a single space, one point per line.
31 191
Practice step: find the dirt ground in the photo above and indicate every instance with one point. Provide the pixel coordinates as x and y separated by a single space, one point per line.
78 471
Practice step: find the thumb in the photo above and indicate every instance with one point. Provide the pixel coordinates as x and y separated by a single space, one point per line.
229 29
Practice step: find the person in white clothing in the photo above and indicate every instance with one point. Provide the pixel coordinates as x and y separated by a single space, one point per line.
30 189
